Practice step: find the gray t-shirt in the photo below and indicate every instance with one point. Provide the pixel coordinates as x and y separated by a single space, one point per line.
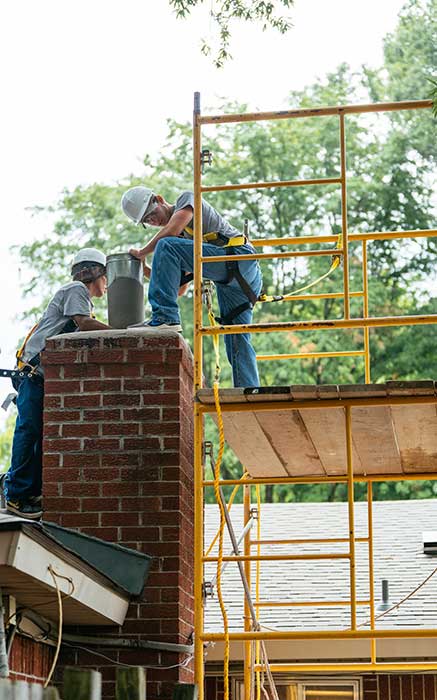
73 299
212 221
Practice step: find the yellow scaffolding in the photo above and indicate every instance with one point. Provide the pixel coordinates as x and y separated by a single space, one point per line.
249 635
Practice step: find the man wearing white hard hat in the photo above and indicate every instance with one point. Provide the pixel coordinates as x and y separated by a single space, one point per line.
70 309
238 284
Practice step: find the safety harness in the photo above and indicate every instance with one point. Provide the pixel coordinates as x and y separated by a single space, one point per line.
233 272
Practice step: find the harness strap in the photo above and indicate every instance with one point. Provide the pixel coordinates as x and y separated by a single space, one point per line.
231 315
218 239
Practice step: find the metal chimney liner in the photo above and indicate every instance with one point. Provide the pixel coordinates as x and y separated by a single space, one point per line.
125 290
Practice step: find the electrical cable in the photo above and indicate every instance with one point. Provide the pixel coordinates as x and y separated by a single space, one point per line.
55 577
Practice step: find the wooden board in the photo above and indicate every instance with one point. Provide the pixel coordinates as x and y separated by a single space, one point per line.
245 436
328 433
287 432
375 441
386 439
416 432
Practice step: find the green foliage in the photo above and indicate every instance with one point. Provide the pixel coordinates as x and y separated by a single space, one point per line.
390 163
224 12
6 441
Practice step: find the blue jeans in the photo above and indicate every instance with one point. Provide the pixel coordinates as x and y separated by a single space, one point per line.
173 256
24 477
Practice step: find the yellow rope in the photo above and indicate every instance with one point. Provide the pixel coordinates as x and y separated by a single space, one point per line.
257 586
220 504
288 297
231 500
55 577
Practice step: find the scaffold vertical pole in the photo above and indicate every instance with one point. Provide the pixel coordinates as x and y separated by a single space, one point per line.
247 616
371 567
344 228
198 418
350 497
366 315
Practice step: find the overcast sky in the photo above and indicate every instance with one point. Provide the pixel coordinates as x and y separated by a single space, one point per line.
87 87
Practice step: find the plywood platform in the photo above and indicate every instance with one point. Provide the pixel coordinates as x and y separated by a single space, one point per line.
300 430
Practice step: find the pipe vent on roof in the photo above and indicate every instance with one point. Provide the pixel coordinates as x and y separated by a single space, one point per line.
429 542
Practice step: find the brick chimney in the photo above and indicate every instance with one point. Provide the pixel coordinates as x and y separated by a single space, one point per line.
118 464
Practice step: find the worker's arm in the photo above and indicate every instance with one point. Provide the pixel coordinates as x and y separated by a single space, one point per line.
86 323
175 226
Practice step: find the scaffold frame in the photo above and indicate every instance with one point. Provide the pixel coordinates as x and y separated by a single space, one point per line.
248 635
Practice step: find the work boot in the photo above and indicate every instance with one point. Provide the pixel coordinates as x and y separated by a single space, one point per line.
30 511
158 326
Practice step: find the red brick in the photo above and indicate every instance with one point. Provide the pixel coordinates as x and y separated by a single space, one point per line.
171 413
81 371
54 357
109 534
121 399
141 443
100 474
99 505
418 687
145 356
122 488
77 459
121 370
135 533
100 444
120 429
161 399
141 414
63 505
80 429
120 519
61 416
80 488
68 475
100 357
82 400
151 503
51 460
101 414
80 520
406 687
61 386
143 384
120 459
60 445
52 372
101 385
51 401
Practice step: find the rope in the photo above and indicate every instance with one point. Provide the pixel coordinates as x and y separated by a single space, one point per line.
231 500
55 577
257 586
288 297
219 500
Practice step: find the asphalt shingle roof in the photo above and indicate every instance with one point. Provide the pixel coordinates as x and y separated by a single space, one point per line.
398 557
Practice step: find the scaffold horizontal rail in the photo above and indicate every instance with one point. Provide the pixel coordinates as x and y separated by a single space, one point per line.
315 112
373 322
278 183
400 633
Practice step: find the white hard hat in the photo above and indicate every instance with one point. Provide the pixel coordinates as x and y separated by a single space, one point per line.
136 201
89 255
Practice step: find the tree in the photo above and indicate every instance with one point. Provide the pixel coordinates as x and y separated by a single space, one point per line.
224 12
387 191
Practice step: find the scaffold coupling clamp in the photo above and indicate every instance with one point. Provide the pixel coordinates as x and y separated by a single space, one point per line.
208 589
254 513
205 158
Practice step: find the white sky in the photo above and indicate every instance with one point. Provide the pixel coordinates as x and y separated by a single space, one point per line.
87 87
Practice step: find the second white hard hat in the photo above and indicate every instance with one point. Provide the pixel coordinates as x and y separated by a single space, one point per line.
89 255
136 201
